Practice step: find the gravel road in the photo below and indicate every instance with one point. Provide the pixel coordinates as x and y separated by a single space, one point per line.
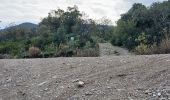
100 78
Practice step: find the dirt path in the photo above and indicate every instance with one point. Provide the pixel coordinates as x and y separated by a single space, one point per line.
107 49
105 78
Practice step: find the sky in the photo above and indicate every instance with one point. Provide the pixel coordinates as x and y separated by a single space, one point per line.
19 11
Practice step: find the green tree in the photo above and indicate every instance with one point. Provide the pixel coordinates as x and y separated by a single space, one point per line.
60 36
153 21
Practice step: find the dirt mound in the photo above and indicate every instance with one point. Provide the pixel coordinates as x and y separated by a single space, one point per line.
101 78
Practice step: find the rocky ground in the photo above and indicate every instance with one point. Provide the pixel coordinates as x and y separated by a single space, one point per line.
100 78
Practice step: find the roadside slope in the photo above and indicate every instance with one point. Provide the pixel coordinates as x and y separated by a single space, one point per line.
105 78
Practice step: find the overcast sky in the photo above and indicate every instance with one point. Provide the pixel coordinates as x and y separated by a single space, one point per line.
19 11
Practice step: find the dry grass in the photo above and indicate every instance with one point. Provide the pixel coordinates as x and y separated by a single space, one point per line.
162 48
34 52
91 52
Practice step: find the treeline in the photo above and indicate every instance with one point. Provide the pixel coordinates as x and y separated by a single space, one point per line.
145 30
62 33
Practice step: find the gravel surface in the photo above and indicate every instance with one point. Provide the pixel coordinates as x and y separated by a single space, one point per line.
107 49
101 78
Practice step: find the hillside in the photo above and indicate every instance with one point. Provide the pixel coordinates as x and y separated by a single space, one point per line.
26 25
101 78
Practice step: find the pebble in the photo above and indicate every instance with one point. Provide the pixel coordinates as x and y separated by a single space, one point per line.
80 84
120 90
75 80
154 95
38 96
68 64
54 77
27 86
64 63
88 93
97 61
42 83
62 87
168 60
159 94
8 79
45 89
147 92
130 98
108 87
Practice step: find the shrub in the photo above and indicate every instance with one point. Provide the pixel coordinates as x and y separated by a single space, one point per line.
142 49
34 52
5 56
64 51
162 48
91 52
165 46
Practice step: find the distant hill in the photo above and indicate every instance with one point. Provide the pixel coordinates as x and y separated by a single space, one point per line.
27 25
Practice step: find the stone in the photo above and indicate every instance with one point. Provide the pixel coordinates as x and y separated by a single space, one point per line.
80 84
75 80
159 94
154 95
88 93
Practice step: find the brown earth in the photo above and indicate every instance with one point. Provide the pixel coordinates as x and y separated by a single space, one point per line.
105 78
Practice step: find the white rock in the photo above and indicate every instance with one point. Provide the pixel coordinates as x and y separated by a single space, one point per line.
154 95
75 80
9 79
108 87
54 77
42 83
130 98
80 84
159 94
147 91
168 60
62 87
45 89
88 93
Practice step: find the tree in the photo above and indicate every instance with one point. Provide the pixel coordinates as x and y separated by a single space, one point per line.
154 21
60 36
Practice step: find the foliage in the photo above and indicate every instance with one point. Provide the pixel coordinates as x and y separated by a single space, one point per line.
142 28
61 33
162 48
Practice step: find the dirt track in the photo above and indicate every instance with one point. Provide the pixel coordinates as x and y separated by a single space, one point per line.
105 78
107 49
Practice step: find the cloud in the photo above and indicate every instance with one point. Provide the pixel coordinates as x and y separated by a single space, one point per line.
33 10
